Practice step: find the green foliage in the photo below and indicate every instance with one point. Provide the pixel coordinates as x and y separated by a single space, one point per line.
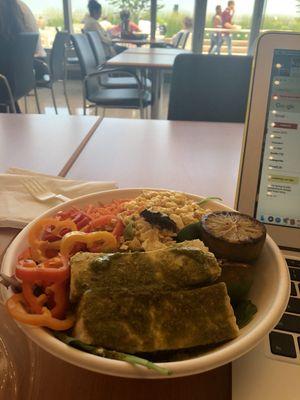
172 20
136 7
53 17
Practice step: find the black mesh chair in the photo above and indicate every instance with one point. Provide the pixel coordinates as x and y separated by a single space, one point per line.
209 88
57 67
95 92
17 68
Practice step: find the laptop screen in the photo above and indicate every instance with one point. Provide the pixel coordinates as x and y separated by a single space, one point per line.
278 197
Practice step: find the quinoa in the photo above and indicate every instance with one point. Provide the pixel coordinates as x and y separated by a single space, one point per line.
177 206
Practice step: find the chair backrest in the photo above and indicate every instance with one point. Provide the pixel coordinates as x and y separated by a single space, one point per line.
86 59
18 65
97 46
57 56
209 88
177 39
183 39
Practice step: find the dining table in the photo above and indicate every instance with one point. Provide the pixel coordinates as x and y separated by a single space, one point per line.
195 157
156 60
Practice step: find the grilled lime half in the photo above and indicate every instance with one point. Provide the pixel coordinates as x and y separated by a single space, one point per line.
233 236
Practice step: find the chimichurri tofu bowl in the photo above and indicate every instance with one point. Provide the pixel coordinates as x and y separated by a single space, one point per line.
145 283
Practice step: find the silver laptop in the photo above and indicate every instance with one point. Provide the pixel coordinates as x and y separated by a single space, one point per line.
269 189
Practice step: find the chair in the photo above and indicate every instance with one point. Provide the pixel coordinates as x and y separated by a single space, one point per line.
57 67
183 40
17 67
107 80
209 88
98 95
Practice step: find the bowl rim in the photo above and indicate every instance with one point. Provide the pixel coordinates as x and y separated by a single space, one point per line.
219 356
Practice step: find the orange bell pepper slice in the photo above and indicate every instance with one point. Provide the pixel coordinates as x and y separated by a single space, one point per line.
61 299
38 245
15 306
95 241
51 271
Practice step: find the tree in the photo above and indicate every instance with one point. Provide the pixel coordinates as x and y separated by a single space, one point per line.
136 7
298 6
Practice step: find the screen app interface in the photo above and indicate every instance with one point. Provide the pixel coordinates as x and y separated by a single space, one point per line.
279 187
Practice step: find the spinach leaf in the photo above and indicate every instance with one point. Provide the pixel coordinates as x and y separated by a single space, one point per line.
189 232
101 352
244 312
203 201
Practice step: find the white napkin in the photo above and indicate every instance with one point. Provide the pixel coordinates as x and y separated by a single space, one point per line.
18 207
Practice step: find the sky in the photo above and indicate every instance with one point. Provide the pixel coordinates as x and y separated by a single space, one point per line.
279 7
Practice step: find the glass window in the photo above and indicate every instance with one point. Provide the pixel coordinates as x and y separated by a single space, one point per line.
110 18
49 16
282 16
175 22
227 27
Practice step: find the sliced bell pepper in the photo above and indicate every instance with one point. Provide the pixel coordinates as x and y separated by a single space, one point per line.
15 306
33 302
45 273
40 246
95 241
60 298
118 229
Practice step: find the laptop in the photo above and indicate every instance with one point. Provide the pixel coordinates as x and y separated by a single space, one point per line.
269 190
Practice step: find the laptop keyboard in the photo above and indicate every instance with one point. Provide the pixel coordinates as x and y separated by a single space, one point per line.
285 339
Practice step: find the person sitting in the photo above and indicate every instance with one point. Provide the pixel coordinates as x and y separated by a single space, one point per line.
30 25
187 28
91 23
227 16
126 28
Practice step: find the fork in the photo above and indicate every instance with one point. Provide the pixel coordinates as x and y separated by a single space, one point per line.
40 192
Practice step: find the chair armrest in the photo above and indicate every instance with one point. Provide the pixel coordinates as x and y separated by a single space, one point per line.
110 70
10 95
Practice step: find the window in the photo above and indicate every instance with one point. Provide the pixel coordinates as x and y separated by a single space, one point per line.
49 16
173 17
282 16
236 40
110 14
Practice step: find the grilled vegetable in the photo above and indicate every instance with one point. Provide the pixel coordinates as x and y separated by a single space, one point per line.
160 220
233 236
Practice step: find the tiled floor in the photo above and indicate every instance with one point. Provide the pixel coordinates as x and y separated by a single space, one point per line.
74 90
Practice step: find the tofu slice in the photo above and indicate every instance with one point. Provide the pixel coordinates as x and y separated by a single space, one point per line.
148 321
182 266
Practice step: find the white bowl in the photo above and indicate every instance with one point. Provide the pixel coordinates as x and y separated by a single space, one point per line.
270 293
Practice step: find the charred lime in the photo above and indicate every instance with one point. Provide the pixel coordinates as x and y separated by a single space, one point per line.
233 236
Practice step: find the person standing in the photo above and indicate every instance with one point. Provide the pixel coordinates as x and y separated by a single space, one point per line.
227 16
216 37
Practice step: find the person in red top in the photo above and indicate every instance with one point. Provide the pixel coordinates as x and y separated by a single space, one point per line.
227 16
126 27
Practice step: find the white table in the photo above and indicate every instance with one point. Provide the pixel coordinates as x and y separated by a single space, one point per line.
197 157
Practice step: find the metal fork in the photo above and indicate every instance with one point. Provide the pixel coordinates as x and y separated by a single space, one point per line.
40 192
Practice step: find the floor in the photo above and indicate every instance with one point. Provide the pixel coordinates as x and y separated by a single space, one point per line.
74 90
